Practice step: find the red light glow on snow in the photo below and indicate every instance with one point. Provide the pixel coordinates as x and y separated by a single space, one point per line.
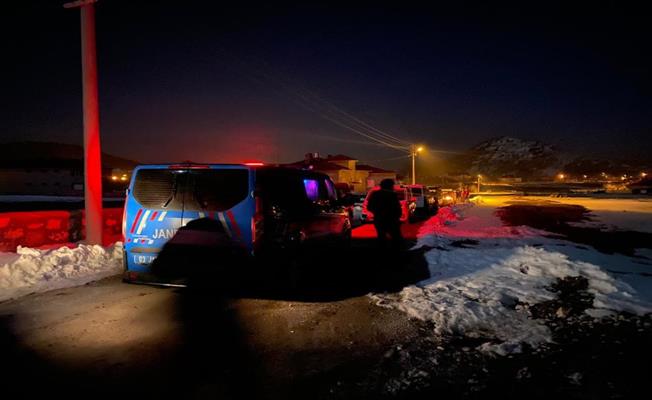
483 225
448 223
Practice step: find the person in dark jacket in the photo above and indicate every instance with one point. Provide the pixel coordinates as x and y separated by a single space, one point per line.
386 208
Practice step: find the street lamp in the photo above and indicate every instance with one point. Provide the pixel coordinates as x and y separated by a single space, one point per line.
413 151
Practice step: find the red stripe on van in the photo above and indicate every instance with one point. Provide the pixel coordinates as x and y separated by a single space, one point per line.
133 226
235 226
153 215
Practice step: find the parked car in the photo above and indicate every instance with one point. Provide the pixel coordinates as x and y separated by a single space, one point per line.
418 194
447 197
357 214
259 208
352 201
408 205
432 198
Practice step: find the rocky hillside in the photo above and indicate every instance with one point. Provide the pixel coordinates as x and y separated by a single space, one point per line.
530 159
510 156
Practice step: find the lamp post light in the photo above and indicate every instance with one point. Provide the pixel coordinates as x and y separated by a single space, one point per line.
413 151
92 153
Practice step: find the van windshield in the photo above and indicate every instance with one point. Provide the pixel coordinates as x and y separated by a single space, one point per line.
190 189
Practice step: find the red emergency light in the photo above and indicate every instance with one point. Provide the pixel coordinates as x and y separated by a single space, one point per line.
189 166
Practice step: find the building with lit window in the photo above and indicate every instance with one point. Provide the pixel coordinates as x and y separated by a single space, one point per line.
345 170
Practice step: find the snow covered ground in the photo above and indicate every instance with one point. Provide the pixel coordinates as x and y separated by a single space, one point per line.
633 213
486 276
38 270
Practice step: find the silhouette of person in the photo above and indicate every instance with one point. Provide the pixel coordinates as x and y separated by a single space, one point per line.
386 208
200 254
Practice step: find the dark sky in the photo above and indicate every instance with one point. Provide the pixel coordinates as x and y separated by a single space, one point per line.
186 80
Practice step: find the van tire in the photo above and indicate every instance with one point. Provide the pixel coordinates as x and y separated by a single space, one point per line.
344 241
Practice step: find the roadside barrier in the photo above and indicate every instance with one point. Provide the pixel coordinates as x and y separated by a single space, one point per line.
43 228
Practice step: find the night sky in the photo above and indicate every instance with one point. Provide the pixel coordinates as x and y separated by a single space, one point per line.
183 80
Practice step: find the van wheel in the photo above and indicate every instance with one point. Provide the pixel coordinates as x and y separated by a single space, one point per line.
293 279
293 270
344 241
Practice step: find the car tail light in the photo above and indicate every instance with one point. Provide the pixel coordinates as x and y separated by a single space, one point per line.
124 222
257 220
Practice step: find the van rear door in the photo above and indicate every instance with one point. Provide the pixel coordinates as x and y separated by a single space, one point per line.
164 198
153 213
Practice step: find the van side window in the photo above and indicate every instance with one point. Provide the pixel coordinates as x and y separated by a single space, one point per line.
312 189
330 189
216 189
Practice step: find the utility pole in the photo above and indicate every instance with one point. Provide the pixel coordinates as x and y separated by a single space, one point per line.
92 152
413 152
414 157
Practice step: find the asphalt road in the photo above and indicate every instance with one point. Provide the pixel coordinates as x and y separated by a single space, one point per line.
319 338
262 339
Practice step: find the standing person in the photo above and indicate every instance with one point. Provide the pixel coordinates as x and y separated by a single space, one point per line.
386 208
465 194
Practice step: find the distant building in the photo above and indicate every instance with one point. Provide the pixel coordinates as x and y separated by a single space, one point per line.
460 177
345 169
42 177
510 179
376 174
36 168
643 186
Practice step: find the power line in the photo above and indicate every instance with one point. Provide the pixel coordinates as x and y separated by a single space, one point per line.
320 106
387 159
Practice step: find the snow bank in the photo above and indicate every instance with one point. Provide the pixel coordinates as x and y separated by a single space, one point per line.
479 288
32 270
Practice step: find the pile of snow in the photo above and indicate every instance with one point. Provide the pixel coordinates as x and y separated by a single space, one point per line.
32 270
481 288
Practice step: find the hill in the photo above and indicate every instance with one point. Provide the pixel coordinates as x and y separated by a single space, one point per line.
27 153
529 159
